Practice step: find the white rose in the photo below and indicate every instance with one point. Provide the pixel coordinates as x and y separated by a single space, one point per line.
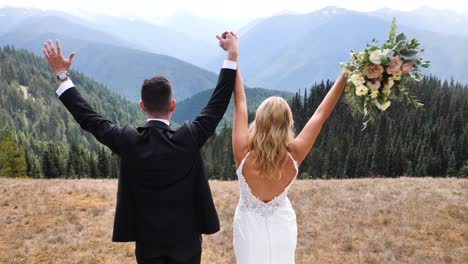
374 93
357 79
376 56
361 90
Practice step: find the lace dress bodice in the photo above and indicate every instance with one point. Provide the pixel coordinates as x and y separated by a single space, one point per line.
248 201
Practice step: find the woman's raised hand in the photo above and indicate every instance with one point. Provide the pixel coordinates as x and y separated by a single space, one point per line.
228 41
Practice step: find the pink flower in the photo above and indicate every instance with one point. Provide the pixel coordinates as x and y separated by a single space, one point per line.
395 65
407 67
374 71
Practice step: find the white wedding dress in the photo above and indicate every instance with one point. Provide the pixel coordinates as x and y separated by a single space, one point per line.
264 232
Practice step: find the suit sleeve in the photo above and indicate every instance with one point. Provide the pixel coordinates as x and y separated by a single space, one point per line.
206 122
103 130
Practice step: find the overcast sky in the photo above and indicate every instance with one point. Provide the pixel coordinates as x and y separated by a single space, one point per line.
236 9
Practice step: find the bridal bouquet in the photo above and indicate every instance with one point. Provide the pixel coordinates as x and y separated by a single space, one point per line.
376 75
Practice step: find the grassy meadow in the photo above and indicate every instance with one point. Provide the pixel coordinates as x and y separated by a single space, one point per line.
402 220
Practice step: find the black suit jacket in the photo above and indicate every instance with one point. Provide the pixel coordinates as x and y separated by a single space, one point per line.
163 195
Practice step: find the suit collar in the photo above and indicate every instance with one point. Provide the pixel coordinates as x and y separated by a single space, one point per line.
157 123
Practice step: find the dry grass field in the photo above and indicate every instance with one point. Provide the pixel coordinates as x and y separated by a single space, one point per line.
405 220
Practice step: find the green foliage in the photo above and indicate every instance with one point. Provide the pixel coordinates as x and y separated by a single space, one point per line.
392 33
12 160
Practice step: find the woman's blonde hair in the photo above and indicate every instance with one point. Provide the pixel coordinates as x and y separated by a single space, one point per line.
269 135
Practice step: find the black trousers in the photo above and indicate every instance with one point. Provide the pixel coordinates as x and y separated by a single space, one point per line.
168 260
185 253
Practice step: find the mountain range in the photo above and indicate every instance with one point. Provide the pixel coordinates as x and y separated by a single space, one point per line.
103 56
288 51
131 33
292 51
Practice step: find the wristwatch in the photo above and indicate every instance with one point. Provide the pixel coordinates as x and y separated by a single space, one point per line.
62 76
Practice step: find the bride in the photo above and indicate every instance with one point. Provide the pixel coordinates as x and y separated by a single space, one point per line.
267 158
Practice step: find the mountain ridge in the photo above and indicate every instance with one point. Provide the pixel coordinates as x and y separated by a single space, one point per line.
100 56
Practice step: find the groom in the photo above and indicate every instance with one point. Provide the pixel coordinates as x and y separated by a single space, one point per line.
164 201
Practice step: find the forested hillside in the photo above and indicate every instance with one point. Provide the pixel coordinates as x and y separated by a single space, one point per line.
41 139
50 141
432 141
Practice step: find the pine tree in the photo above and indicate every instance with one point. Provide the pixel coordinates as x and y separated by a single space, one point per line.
12 160
115 166
103 164
33 167
93 170
71 171
451 170
73 164
50 161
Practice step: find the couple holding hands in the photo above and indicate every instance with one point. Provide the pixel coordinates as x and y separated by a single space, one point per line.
164 202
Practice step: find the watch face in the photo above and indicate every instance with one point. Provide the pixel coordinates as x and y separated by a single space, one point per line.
62 75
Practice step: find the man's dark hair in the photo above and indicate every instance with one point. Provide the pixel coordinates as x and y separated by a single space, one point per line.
156 94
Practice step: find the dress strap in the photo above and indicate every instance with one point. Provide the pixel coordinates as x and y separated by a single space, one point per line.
294 162
242 162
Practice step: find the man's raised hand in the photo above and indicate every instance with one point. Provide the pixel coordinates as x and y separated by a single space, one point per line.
55 58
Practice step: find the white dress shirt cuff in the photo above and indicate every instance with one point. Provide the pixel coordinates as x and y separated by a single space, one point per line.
64 86
230 65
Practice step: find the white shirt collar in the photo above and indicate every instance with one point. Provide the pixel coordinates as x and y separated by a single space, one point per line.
159 119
